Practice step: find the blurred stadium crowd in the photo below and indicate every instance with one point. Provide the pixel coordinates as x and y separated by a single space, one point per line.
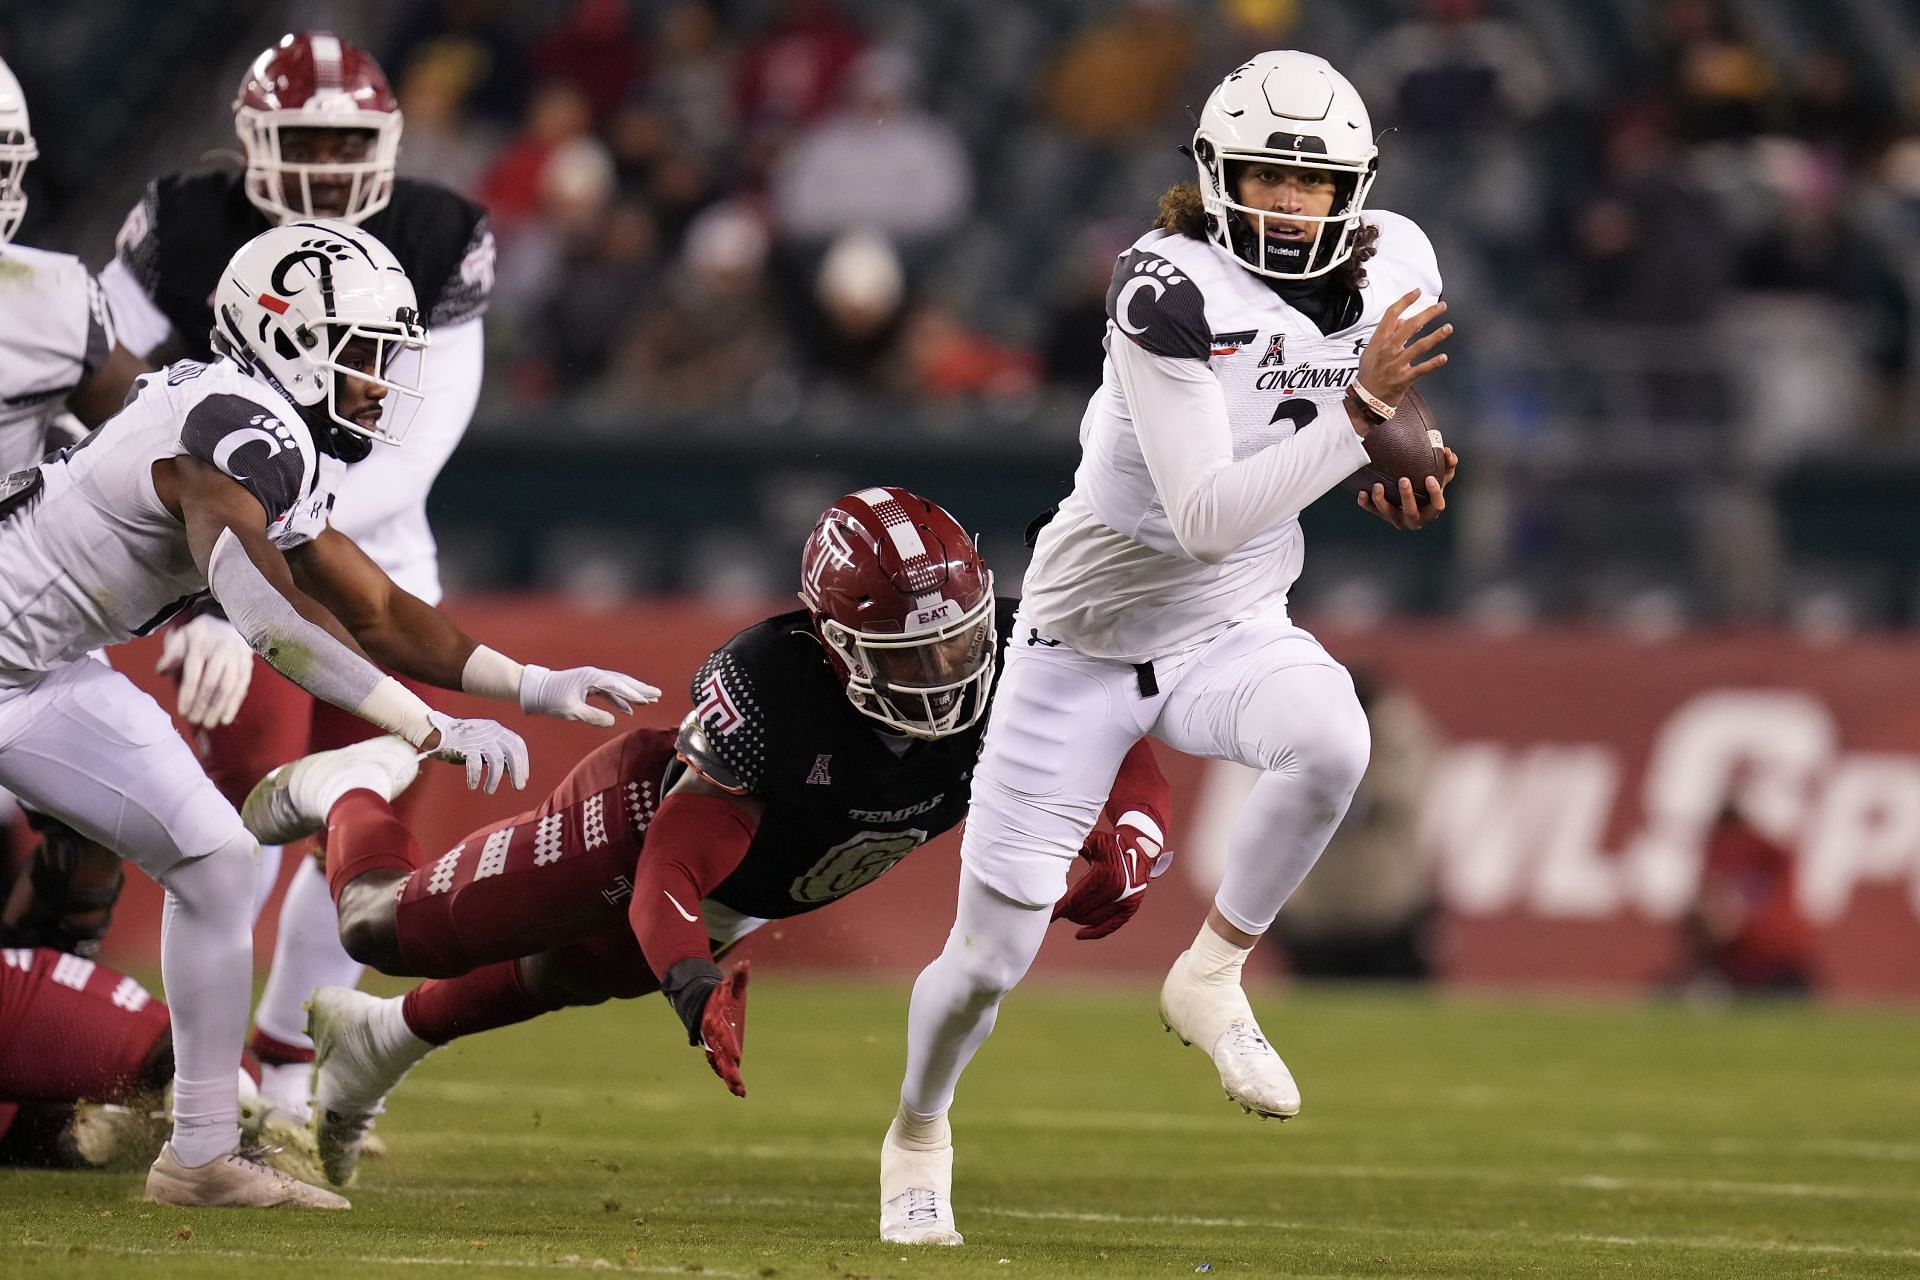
754 252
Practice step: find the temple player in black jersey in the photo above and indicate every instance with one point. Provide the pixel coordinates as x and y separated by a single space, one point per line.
824 746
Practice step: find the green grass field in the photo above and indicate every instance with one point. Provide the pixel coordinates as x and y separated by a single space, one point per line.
1440 1137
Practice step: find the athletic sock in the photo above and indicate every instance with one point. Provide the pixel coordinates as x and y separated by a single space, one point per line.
922 1133
443 1009
1215 959
362 836
206 950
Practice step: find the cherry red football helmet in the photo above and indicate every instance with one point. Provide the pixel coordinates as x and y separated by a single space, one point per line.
320 129
904 605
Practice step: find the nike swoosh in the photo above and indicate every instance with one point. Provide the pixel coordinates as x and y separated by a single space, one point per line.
685 914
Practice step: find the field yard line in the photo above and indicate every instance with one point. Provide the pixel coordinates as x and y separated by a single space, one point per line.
1627 1141
529 1264
1358 1173
1720 1243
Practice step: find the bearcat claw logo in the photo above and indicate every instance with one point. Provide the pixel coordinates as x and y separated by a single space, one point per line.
317 255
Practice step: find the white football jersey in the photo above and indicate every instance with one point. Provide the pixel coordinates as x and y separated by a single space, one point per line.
1109 575
55 333
94 558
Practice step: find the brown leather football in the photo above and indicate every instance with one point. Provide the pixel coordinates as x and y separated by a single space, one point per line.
1408 444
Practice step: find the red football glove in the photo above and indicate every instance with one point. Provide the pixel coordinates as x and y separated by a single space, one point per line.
723 1029
1123 861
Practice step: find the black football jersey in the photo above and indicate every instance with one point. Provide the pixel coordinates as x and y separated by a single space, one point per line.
842 807
188 226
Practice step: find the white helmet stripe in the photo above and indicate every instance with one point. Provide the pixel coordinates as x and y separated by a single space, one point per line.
898 524
326 62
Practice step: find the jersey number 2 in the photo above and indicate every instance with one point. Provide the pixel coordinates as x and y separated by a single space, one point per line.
1298 411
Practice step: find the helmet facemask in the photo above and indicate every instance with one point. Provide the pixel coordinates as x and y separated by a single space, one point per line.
281 181
1242 229
928 684
16 150
387 365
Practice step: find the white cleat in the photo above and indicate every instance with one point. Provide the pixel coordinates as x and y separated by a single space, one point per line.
351 1077
237 1180
279 1138
1215 1015
293 800
916 1194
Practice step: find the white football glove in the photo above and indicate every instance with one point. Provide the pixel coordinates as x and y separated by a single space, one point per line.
563 694
490 750
215 664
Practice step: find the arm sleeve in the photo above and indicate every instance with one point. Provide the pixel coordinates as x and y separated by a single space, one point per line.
694 843
1215 504
1140 788
298 649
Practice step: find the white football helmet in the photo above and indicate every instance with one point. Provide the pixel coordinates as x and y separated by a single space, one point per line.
16 149
294 296
1286 108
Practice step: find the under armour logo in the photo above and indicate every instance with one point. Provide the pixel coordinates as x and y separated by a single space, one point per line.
1034 637
818 776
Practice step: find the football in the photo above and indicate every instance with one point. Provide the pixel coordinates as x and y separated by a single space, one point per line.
1407 444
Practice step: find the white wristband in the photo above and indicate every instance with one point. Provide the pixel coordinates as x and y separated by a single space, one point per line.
491 674
397 709
1373 402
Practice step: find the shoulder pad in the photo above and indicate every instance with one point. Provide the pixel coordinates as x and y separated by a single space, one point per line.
1158 305
731 720
694 746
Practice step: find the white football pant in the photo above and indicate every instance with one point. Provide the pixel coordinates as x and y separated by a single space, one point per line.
86 746
1263 694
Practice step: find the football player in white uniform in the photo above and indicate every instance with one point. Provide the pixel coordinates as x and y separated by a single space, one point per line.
56 334
320 129
1254 338
57 352
218 478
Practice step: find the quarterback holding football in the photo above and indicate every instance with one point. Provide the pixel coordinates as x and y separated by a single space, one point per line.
1255 337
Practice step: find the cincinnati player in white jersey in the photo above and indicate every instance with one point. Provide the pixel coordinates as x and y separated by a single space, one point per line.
320 128
57 353
56 333
218 478
1254 338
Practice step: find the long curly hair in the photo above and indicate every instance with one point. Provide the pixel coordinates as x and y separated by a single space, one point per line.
1182 213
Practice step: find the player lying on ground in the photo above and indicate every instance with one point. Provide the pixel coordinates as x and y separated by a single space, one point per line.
74 1031
219 478
85 1058
824 746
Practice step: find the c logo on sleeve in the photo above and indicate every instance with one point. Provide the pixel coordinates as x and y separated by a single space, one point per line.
262 429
